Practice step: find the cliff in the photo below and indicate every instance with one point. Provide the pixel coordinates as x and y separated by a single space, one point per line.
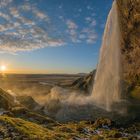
129 15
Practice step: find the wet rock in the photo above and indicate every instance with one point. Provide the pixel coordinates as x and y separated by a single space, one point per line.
118 135
65 129
101 123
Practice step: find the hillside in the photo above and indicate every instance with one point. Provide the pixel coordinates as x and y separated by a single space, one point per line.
16 128
6 100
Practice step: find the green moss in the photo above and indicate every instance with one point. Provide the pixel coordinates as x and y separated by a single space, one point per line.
68 131
129 16
28 129
135 93
22 112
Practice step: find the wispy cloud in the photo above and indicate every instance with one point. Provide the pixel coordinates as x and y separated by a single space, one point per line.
4 3
72 25
72 31
93 23
14 12
4 16
88 19
40 15
26 27
21 33
89 7
86 34
91 35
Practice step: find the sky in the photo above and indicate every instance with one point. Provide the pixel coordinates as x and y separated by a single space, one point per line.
51 36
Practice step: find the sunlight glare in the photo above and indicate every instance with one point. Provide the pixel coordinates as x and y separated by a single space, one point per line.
3 68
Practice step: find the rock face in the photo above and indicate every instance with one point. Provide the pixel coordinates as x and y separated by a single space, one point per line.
6 100
28 102
84 83
129 14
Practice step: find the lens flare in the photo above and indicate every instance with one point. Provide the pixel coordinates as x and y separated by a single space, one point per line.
3 68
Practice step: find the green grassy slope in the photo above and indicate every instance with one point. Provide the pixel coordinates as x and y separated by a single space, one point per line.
16 128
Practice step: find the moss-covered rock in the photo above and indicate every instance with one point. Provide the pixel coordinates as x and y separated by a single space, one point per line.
129 15
6 100
28 102
17 128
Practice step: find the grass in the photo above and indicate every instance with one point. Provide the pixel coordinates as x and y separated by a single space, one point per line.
28 129
68 131
28 115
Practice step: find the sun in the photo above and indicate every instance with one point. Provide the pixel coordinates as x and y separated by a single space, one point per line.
3 68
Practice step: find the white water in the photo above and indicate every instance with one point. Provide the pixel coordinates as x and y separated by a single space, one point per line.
106 89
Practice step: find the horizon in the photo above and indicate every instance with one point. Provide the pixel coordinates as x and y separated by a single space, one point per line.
28 73
49 37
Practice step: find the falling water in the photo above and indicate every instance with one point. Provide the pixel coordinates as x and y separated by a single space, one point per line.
106 88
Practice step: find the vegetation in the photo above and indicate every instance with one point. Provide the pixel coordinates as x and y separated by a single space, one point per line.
11 128
18 128
129 13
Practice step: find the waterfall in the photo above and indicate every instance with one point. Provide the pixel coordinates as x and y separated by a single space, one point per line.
106 89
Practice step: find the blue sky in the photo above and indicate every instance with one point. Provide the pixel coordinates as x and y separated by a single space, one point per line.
51 36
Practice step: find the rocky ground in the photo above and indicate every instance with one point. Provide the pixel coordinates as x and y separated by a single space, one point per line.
16 128
19 121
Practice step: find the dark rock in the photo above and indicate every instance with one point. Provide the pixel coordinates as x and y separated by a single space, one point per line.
84 83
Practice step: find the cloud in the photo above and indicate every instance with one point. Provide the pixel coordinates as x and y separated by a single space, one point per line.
91 38
14 12
22 33
72 31
27 40
89 7
26 7
80 35
40 15
9 45
4 16
91 35
71 24
88 19
93 22
55 43
4 3
25 27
